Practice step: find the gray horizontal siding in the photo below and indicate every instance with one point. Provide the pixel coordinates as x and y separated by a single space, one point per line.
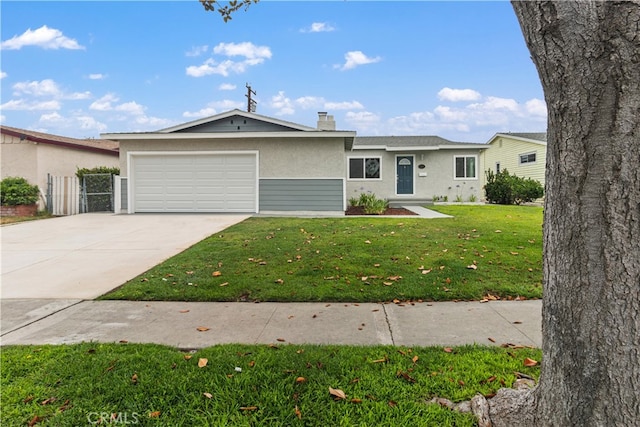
301 195
124 194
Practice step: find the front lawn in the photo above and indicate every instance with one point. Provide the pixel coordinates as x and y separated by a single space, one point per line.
243 385
484 251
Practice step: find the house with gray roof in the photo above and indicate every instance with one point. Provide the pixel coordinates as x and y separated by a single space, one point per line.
414 169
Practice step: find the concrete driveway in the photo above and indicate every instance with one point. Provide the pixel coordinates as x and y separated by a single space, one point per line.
85 256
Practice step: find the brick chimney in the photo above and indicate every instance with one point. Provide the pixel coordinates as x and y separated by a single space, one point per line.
326 122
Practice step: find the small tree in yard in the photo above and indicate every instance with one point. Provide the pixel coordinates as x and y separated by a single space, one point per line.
15 191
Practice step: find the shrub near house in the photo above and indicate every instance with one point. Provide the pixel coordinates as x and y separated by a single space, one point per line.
18 197
505 189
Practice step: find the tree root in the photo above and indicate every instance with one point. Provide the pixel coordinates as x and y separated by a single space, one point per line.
509 407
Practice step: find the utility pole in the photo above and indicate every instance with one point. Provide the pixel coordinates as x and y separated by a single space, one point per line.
251 103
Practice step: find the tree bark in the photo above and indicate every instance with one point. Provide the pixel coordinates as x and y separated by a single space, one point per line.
588 57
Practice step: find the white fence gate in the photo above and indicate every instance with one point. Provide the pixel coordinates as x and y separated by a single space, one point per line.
63 195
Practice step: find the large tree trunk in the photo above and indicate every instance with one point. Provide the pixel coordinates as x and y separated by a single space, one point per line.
588 57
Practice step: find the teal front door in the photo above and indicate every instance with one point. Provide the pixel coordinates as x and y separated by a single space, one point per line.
404 171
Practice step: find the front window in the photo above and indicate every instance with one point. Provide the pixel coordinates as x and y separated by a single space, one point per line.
465 167
527 158
364 168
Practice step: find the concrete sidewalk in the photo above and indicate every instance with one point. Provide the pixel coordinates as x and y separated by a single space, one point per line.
28 321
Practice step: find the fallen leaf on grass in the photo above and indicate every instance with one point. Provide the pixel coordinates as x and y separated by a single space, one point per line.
202 362
48 401
301 380
448 350
406 376
134 379
248 408
202 329
297 412
530 362
337 393
279 281
472 267
187 356
426 271
216 274
154 414
354 400
223 284
35 420
392 403
415 359
383 360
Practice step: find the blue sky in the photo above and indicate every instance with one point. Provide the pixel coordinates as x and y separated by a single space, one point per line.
459 70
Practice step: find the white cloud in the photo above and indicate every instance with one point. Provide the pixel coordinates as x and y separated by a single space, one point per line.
51 118
3 75
253 55
197 51
22 105
246 49
131 107
366 122
44 37
493 103
347 105
318 27
46 87
308 102
283 104
454 95
213 108
227 86
104 103
356 58
536 107
97 76
3 118
203 112
66 125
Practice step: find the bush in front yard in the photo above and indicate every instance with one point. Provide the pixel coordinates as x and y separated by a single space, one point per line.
505 189
16 191
370 203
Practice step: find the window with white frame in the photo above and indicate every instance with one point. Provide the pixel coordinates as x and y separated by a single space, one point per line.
527 158
465 167
364 168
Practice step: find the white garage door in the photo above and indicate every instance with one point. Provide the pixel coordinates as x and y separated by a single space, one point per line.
189 182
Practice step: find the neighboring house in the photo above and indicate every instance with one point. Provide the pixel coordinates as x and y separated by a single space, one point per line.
522 154
33 155
415 169
245 162
235 162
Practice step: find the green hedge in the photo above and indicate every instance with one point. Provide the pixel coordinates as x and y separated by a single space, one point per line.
17 191
505 189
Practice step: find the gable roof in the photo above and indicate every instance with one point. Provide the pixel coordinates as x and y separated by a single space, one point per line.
219 127
533 137
103 146
413 143
232 113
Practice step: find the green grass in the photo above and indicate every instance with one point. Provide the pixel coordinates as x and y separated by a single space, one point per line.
15 219
385 386
357 259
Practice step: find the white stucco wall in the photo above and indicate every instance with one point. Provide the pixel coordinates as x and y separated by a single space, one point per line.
284 158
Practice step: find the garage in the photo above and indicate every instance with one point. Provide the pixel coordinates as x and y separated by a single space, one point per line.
193 182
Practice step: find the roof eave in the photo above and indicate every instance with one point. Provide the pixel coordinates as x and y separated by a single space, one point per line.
113 152
228 135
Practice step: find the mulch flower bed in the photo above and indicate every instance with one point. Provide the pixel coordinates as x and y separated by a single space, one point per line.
359 210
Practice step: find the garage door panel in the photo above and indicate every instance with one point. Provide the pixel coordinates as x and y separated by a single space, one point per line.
195 183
